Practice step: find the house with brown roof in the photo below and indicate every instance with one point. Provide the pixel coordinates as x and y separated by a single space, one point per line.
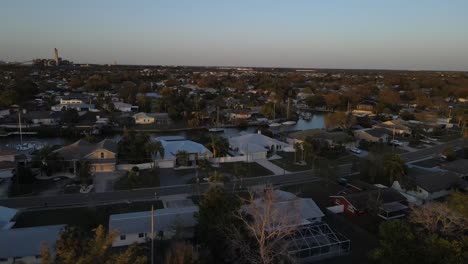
101 156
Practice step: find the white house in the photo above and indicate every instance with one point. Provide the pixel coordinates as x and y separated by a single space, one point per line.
124 107
173 144
256 146
429 185
77 107
23 245
286 206
136 227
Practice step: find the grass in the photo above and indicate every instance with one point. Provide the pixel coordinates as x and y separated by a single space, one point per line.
249 169
145 179
87 217
287 162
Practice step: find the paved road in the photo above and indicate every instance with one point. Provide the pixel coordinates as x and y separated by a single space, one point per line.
149 193
434 150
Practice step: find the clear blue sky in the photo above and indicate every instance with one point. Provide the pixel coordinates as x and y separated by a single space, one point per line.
386 34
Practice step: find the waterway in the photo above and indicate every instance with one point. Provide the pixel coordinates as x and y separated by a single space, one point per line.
317 121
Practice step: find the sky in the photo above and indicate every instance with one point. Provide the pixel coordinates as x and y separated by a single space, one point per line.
357 34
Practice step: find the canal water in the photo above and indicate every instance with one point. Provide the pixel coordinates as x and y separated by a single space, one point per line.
317 121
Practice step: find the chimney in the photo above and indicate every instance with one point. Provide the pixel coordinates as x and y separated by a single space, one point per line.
56 57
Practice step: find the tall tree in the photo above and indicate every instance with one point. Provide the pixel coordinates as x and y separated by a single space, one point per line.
215 222
75 247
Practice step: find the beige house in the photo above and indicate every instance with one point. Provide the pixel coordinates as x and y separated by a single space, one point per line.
101 156
143 119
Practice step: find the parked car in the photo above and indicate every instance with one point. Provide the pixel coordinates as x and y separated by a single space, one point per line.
342 181
355 150
396 143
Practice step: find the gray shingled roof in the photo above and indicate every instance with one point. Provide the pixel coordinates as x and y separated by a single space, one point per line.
433 181
360 199
165 219
459 166
82 148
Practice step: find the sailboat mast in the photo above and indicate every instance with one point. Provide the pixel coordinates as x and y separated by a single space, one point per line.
20 130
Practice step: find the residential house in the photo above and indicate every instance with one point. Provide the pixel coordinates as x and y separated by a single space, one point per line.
124 107
256 146
459 167
24 245
161 118
239 114
43 117
365 108
310 238
426 185
77 107
173 145
396 126
143 119
333 138
357 201
136 227
372 134
101 156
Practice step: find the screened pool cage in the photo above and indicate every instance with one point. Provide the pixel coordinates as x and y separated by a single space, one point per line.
314 242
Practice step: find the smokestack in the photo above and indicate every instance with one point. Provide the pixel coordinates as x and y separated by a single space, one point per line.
56 57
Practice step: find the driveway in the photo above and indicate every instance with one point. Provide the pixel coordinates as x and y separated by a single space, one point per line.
272 167
170 177
104 181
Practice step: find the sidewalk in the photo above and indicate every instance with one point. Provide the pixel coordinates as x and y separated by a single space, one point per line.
272 167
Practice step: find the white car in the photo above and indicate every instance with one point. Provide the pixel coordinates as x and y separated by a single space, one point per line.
355 150
396 143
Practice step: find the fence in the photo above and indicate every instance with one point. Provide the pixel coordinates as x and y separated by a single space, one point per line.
228 159
140 166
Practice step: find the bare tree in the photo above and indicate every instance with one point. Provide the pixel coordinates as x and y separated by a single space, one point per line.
267 226
181 252
439 218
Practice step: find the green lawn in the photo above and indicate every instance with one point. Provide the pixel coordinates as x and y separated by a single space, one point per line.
87 217
288 163
145 179
249 169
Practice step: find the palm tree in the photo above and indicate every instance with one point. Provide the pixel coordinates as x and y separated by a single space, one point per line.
182 157
154 148
219 146
393 168
47 160
297 147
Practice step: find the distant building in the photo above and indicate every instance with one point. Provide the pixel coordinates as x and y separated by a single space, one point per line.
372 134
124 107
365 108
143 119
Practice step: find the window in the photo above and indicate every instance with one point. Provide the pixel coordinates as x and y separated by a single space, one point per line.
141 235
102 155
123 237
3 260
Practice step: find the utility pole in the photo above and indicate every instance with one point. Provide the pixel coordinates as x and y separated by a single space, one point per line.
152 234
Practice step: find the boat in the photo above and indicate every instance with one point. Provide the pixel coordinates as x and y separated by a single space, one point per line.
216 130
289 123
275 125
306 116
